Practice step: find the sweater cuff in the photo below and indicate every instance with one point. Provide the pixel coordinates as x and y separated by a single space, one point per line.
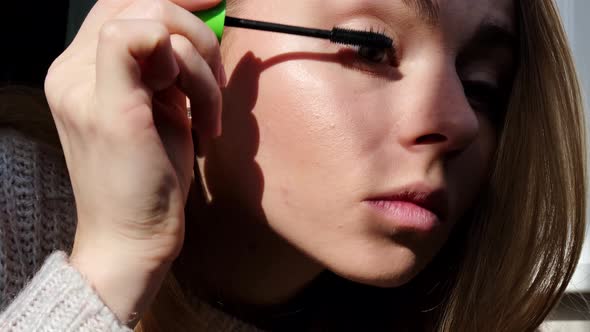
58 298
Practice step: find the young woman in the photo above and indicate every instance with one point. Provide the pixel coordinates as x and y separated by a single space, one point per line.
437 186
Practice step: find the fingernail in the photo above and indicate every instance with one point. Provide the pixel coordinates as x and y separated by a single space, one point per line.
219 127
221 77
218 130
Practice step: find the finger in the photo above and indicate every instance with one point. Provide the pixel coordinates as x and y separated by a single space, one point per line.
105 10
170 117
199 84
123 48
181 22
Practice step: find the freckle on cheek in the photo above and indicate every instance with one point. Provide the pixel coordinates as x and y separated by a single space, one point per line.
285 195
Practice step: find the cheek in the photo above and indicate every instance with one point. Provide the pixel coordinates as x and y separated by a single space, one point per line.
307 112
306 139
313 125
477 162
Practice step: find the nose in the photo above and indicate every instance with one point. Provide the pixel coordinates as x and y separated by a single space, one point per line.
436 115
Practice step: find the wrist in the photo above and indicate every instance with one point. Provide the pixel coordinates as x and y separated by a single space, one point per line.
127 286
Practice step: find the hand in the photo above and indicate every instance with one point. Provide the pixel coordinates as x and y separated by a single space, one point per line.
118 95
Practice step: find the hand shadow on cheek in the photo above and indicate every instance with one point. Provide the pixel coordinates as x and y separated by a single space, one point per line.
236 166
241 132
234 179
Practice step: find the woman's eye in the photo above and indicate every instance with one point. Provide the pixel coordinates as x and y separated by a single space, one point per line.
485 97
480 93
375 55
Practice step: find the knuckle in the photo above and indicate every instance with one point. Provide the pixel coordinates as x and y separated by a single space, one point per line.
122 32
69 110
210 45
67 103
159 31
155 33
59 99
182 46
51 84
155 9
111 31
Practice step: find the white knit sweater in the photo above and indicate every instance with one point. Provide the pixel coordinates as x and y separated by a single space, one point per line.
39 290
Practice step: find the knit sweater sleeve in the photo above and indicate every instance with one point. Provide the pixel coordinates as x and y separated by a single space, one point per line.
58 298
39 290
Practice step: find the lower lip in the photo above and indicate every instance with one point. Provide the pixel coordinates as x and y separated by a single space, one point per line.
405 216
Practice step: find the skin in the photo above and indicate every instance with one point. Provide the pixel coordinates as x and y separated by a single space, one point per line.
309 135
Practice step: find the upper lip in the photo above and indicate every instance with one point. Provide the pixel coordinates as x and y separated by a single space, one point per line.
430 198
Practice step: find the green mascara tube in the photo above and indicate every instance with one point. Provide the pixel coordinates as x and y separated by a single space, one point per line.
214 18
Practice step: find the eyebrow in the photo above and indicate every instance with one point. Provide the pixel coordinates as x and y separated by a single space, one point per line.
489 32
425 9
495 35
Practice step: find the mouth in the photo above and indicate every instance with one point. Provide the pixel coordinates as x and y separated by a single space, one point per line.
415 208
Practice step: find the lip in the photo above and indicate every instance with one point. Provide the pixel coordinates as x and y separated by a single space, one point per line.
416 207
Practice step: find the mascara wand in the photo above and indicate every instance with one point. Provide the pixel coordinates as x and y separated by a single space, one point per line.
216 19
336 35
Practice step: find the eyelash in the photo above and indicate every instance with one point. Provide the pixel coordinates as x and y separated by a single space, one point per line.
367 54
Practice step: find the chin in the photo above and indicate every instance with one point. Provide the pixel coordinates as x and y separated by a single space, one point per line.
385 273
388 281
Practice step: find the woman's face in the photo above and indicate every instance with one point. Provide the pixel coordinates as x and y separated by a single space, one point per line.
363 159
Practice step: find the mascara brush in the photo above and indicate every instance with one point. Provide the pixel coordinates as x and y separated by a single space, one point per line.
336 35
216 19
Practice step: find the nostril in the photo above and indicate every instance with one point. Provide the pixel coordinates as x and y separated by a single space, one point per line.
430 139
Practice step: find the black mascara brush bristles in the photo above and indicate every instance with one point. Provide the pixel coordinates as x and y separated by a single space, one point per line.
360 38
336 35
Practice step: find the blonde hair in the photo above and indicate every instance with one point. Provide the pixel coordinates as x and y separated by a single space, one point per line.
510 260
525 245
